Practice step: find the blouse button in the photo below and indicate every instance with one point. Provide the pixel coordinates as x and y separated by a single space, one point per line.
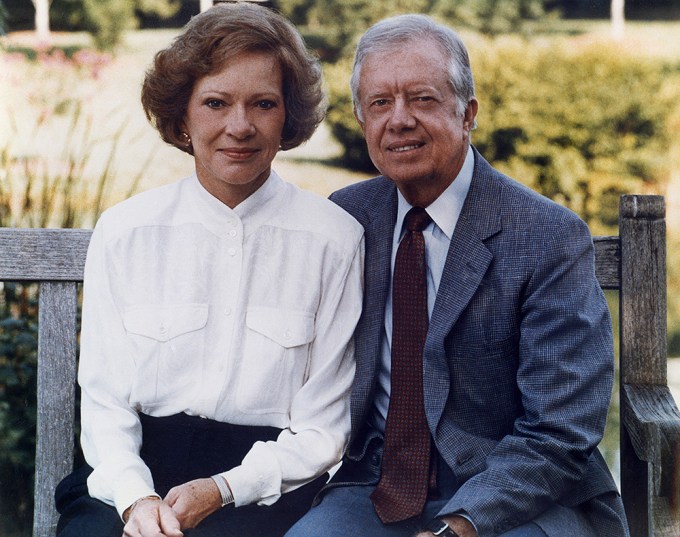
231 251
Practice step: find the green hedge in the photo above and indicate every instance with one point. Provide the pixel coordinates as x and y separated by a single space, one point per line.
18 360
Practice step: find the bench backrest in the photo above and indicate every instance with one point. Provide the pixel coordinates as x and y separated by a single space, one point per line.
634 263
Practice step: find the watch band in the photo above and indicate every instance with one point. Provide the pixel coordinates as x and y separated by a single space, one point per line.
225 491
438 527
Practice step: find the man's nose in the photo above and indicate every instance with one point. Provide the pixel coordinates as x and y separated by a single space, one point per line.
402 116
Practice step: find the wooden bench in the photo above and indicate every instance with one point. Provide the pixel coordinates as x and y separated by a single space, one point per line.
634 263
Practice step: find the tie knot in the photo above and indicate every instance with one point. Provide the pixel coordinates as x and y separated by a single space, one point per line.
417 219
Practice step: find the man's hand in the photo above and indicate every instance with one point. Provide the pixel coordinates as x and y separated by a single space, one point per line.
152 517
193 501
459 524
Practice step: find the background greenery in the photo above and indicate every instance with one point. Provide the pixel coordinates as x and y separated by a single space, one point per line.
563 107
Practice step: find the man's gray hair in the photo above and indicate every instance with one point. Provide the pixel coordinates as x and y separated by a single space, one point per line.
382 37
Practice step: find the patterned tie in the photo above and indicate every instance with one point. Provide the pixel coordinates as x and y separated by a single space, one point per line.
404 481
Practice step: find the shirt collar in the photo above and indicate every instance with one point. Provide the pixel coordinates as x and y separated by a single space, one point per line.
446 209
248 206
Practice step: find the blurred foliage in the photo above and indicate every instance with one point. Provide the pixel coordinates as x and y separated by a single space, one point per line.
580 125
3 18
332 26
673 301
18 361
340 118
58 181
637 9
107 20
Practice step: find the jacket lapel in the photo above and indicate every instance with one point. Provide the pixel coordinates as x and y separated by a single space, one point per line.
467 261
368 338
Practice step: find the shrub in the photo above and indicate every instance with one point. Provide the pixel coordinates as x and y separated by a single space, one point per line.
3 19
107 20
340 117
581 125
18 360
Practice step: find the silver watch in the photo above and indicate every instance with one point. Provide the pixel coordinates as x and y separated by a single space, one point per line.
438 527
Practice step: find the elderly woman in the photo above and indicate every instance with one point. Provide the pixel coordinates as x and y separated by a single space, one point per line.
216 357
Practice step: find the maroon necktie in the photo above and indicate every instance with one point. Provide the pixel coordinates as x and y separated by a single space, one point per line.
404 481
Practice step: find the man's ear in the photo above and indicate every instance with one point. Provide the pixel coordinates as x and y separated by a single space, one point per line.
470 114
361 123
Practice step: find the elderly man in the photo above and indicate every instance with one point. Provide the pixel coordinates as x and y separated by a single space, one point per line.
484 351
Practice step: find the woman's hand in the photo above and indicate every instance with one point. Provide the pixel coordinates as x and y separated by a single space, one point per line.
193 501
152 517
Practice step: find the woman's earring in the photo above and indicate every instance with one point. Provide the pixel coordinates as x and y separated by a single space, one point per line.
185 138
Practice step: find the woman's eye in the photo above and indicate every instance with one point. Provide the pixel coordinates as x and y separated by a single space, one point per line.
266 104
214 103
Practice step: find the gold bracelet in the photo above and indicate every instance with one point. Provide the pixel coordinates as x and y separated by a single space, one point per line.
128 511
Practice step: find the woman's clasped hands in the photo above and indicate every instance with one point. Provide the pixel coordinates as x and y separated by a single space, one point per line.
184 507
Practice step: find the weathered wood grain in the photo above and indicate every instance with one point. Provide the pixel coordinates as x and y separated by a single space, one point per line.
642 228
56 398
607 261
42 254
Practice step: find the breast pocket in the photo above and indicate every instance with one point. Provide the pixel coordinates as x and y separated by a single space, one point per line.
275 359
167 340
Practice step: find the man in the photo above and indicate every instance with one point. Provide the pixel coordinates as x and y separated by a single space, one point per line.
484 376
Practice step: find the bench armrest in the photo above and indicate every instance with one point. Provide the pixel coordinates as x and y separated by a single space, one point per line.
652 420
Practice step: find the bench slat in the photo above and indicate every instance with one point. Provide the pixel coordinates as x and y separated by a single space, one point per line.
57 349
43 254
607 260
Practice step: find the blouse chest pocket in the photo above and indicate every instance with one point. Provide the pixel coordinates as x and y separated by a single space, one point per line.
166 322
275 356
167 340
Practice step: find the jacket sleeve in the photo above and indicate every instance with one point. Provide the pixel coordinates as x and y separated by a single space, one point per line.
564 382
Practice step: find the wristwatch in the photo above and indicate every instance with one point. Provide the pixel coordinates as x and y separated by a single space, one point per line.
438 527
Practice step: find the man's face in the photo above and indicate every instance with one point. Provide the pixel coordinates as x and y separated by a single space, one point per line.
409 118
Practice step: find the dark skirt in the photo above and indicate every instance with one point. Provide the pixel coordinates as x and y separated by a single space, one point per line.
178 449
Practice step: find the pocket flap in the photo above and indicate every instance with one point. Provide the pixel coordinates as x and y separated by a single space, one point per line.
163 323
288 328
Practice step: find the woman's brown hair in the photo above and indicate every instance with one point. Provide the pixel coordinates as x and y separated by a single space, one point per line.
212 38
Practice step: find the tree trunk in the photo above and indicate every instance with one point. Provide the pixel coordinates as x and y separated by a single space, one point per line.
42 21
205 4
618 18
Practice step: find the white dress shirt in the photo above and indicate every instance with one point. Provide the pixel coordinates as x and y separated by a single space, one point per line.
243 316
444 212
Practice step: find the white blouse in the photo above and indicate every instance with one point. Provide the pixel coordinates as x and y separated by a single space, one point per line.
243 316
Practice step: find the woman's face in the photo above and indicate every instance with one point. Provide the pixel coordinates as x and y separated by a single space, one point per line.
234 118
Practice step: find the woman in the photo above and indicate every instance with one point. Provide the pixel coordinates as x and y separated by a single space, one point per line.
216 356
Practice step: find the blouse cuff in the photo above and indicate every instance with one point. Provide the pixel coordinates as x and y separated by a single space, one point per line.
257 479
